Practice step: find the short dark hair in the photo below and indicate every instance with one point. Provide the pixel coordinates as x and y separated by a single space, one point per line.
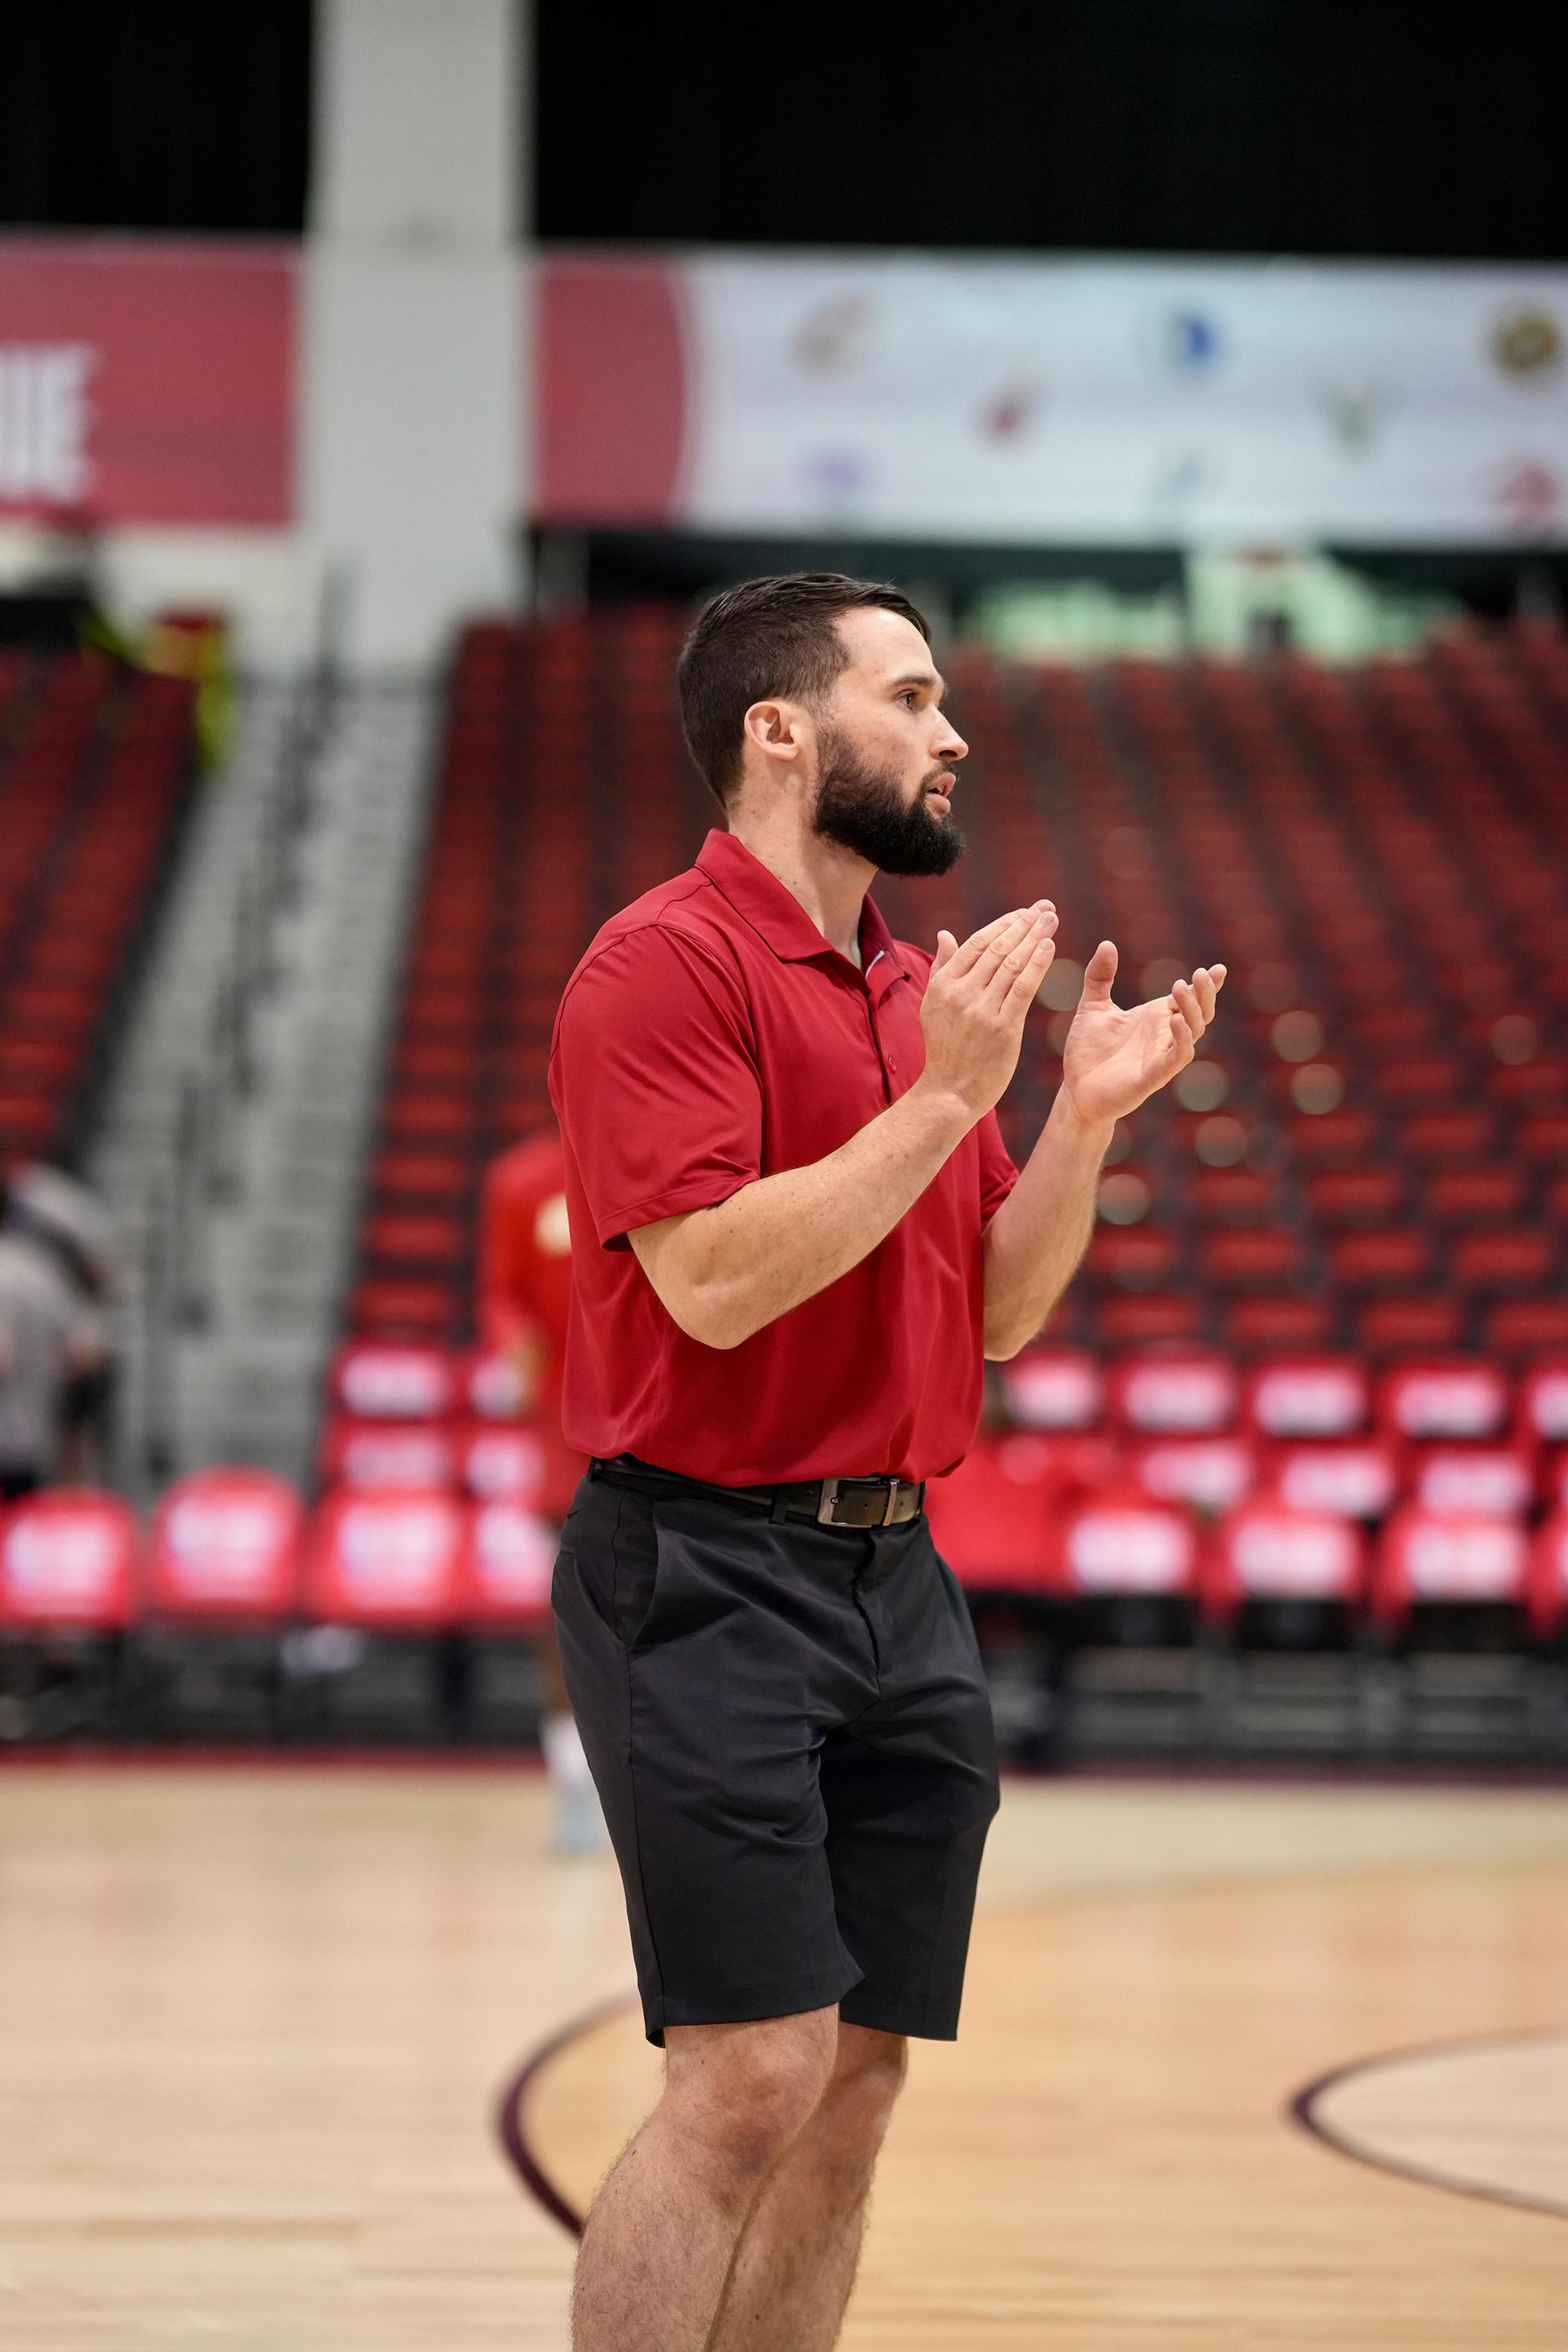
777 635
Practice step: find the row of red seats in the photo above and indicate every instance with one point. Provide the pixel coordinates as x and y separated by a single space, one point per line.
515 880
1002 1539
237 1549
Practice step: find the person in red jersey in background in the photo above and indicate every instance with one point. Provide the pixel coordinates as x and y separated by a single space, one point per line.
525 1293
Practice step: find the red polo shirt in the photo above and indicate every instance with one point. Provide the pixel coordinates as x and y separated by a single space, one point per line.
710 1036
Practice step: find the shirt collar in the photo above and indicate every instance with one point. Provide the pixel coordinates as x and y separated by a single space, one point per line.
778 917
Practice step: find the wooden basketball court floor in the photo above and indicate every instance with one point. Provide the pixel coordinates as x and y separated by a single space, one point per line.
257 2025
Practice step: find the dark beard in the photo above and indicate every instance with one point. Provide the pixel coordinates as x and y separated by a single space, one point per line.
863 809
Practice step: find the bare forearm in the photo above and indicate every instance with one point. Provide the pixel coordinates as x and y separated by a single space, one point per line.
1034 1243
725 1271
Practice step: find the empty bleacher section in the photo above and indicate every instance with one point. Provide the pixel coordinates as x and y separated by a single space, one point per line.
562 792
95 764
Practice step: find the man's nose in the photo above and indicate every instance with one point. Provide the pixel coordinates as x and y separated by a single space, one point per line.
950 744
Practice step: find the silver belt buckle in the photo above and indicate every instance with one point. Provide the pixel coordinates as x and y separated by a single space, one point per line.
825 1502
895 1488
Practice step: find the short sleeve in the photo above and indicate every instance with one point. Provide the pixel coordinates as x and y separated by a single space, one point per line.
655 1081
998 1171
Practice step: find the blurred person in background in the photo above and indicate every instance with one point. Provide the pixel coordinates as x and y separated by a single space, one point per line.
41 1354
70 1228
525 1292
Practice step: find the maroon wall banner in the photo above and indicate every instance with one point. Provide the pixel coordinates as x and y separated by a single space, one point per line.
610 381
147 382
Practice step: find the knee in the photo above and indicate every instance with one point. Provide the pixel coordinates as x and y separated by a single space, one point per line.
752 2098
867 2075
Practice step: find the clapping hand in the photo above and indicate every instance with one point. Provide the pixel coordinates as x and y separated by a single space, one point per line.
1115 1059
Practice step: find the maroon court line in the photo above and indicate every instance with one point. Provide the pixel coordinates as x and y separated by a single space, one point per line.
512 2111
1302 2110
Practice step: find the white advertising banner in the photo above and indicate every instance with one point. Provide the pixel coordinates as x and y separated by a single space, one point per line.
1012 400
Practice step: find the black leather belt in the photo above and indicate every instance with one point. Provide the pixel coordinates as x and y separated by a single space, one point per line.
832 1502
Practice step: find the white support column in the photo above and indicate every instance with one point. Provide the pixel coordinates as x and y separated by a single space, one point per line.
412 377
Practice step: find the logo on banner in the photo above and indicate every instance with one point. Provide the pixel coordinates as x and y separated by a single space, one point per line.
1527 344
1192 341
44 419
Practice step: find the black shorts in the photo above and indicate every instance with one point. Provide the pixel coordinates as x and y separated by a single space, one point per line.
789 1729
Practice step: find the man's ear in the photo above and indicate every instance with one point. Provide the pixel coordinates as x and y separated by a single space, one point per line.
777 730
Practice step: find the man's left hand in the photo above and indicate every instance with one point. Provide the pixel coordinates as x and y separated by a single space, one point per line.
1113 1060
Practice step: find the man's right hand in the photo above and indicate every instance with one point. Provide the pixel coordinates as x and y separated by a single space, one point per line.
976 1001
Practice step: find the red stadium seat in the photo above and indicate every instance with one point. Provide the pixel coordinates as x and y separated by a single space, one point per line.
1356 1196
379 1454
378 1380
504 1461
1351 1478
1250 1259
1465 1398
386 1560
1497 1481
1120 1545
1447 1138
1211 1473
422 1176
418 1240
1160 1317
67 1559
1132 1257
1399 1327
1544 1403
1263 1326
1524 1327
1307 1396
1543 1139
490 1385
1054 1388
1183 1393
1430 1083
397 1307
1510 1257
1265 1552
507 1561
1448 1558
225 1546
1473 1196
1338 1139
1395 1258
1232 1196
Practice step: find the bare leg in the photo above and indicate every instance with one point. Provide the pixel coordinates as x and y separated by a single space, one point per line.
797 2256
662 2235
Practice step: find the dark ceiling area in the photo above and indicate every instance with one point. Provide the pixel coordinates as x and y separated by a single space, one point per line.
1404 128
167 114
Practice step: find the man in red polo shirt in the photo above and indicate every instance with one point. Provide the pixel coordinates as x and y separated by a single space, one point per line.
796 1235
